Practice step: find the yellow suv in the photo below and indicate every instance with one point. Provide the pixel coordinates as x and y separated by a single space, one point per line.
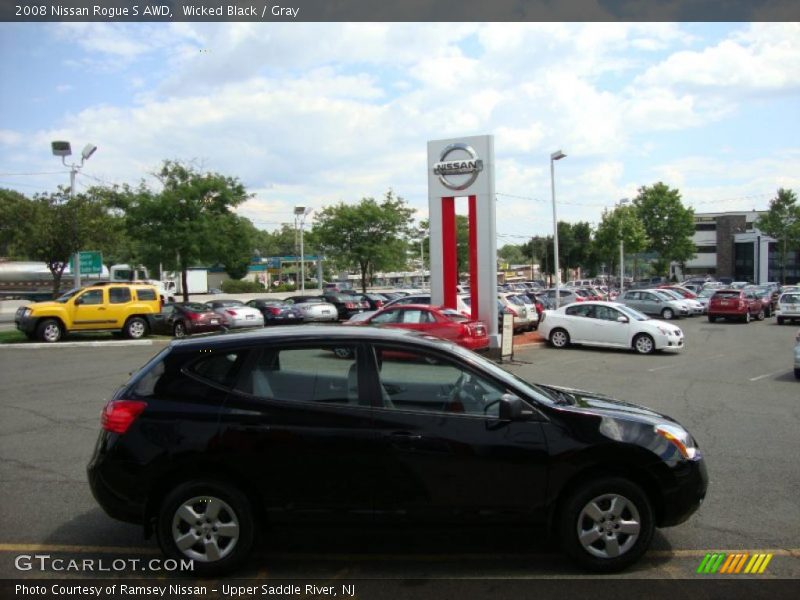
116 307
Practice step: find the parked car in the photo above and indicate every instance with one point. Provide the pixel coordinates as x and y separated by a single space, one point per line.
788 307
692 305
704 296
608 324
109 307
373 300
735 304
412 427
180 319
440 321
277 312
425 298
651 302
235 314
314 309
765 293
532 310
564 297
523 320
346 305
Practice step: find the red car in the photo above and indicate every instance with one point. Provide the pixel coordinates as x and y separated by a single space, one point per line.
442 322
735 304
686 293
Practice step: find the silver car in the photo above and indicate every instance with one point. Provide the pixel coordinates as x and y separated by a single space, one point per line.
235 314
315 310
693 306
652 302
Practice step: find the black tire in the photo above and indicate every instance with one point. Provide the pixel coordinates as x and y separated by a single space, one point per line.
644 344
746 317
179 330
135 328
780 320
598 555
559 338
712 319
343 352
232 511
49 331
668 314
797 373
760 315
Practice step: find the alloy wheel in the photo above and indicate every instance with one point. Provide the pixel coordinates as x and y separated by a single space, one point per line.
205 529
608 526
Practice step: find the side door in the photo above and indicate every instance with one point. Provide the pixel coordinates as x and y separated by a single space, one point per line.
444 453
649 303
299 427
610 330
580 324
161 322
119 299
90 311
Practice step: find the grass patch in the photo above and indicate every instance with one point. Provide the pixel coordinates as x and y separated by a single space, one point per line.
12 337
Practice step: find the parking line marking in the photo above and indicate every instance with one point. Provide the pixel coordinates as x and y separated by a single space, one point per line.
683 363
767 375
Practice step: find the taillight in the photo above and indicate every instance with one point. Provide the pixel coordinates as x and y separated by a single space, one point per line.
231 312
193 316
274 310
118 415
511 311
349 305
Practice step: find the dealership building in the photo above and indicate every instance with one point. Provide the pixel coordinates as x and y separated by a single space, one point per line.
728 244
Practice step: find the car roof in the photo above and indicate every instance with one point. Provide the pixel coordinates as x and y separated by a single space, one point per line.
326 333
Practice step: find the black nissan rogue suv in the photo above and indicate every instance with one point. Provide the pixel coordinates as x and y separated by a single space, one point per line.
217 438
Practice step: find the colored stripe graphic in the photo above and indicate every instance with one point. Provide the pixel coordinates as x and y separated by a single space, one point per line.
729 563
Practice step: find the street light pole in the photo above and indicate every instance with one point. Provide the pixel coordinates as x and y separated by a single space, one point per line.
301 212
622 202
557 155
63 149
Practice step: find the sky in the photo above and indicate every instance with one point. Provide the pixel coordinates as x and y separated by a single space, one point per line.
314 114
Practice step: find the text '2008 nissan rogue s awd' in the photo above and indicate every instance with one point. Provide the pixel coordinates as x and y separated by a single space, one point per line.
216 439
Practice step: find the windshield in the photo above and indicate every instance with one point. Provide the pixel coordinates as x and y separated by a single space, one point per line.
68 295
663 294
706 293
633 313
193 306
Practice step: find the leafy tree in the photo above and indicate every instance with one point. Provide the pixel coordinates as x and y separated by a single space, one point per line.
370 236
622 223
668 224
189 218
15 222
782 222
512 254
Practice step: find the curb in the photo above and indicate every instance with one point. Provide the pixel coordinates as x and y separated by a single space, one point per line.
114 343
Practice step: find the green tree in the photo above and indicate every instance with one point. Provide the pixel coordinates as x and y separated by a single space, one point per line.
512 254
782 221
369 236
668 224
621 224
16 220
189 218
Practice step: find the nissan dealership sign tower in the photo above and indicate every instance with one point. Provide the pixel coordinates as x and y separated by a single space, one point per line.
464 168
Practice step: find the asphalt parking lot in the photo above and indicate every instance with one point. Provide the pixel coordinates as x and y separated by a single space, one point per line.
732 386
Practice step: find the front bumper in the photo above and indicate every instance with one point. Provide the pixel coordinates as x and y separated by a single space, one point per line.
682 499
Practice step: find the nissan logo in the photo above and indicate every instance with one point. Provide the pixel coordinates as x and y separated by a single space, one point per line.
469 165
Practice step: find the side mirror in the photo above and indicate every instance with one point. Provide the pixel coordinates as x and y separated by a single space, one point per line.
512 408
78 301
623 320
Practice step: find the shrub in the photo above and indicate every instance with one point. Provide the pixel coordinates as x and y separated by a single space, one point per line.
241 286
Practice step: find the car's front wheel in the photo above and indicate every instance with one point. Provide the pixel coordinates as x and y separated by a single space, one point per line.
668 314
760 315
209 522
644 344
607 524
49 331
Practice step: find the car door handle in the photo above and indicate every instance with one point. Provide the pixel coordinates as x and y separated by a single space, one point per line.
404 436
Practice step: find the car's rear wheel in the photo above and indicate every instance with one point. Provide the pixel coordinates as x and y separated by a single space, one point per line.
747 317
135 328
760 315
179 330
668 314
644 344
559 338
50 331
209 522
607 524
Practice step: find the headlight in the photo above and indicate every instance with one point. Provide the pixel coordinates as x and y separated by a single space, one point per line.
680 438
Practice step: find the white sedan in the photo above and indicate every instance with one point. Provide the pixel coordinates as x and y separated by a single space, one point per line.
608 324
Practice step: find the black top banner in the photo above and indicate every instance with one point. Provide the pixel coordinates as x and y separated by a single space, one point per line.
400 10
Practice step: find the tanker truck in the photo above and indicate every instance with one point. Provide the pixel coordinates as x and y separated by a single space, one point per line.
33 281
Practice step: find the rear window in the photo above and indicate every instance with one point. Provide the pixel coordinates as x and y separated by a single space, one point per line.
119 295
145 294
728 294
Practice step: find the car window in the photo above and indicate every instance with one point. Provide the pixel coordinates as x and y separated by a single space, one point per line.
416 380
145 294
168 309
219 368
390 316
579 310
91 297
790 298
119 295
316 373
727 295
606 313
195 307
416 316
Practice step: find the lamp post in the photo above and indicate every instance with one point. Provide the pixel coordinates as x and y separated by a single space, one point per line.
557 155
622 202
63 149
422 232
300 214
